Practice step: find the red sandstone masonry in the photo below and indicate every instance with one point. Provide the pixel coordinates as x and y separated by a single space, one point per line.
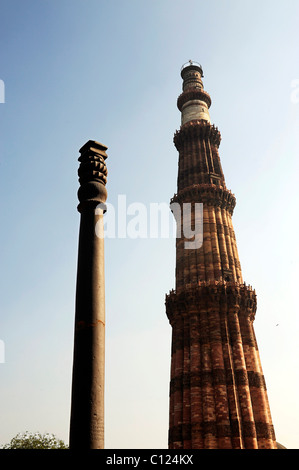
218 397
186 437
195 390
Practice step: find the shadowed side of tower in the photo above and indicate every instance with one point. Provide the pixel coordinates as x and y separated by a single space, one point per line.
218 396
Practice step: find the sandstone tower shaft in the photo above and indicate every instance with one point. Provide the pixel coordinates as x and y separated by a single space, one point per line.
87 407
218 396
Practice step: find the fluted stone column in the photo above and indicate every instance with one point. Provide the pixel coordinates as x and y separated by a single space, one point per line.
87 406
218 396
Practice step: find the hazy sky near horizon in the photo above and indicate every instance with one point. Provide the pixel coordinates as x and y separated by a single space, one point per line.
109 71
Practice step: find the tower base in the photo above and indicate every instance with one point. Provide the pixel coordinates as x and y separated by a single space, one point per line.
218 396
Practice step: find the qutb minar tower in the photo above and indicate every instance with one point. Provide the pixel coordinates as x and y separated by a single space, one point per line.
218 396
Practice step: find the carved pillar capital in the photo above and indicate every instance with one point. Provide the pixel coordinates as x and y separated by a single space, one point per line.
92 174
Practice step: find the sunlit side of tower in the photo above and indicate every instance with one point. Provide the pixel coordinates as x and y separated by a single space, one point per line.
218 395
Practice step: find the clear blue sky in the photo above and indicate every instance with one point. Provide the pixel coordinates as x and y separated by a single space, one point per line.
76 70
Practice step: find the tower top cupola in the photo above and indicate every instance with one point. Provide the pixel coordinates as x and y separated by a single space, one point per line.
191 70
194 102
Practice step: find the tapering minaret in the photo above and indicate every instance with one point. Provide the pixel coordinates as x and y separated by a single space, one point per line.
218 396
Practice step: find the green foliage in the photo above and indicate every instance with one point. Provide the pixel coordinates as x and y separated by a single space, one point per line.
35 440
